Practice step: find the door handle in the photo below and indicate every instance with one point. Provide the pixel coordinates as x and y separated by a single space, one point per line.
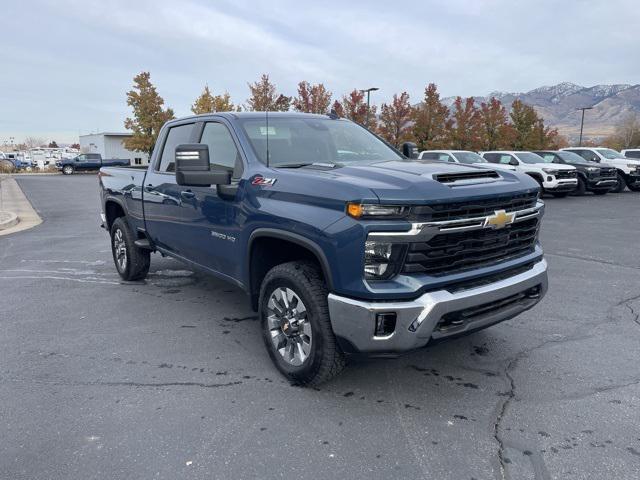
187 194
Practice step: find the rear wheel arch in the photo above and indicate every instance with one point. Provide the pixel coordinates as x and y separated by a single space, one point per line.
112 210
270 247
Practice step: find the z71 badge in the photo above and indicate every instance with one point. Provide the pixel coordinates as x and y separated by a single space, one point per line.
262 181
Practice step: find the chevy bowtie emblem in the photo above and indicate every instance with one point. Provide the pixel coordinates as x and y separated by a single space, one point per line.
499 219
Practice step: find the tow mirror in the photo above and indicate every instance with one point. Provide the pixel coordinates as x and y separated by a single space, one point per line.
193 167
410 150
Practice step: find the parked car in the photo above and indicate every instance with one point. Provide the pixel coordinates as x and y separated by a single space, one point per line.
558 180
592 177
88 161
628 169
342 244
631 152
457 156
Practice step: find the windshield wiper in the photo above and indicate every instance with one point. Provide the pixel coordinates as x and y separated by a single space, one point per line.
300 165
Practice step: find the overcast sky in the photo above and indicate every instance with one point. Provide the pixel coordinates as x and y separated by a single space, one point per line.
66 65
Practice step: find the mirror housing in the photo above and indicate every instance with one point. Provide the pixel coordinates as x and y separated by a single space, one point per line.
410 150
193 167
513 162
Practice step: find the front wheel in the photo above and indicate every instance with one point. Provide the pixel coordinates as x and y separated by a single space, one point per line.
295 323
634 188
131 262
67 170
620 186
580 189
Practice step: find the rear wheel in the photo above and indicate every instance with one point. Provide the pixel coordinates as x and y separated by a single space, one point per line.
131 262
295 324
620 186
67 169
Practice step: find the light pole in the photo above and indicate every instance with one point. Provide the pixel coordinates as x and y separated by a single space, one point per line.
582 123
368 92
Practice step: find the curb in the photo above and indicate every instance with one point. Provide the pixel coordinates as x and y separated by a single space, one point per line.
8 220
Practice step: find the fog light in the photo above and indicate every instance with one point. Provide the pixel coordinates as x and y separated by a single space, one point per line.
385 324
549 179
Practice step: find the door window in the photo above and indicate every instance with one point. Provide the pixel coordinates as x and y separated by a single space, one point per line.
505 159
177 135
443 157
223 153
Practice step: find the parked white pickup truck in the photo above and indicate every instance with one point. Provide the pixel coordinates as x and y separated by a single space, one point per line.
558 180
628 168
459 156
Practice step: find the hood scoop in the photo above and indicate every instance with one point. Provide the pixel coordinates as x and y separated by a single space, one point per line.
466 178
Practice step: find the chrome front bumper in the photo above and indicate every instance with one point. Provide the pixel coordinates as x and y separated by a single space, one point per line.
420 320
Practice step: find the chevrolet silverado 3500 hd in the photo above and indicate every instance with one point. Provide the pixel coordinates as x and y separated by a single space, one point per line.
343 244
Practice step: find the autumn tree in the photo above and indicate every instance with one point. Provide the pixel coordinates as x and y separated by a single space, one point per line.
431 120
75 145
493 125
209 103
523 118
264 97
148 114
395 120
53 144
354 107
312 98
464 132
626 133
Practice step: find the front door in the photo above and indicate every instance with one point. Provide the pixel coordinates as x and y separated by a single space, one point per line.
200 224
215 217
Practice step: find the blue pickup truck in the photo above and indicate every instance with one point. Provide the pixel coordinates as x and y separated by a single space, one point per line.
87 162
343 244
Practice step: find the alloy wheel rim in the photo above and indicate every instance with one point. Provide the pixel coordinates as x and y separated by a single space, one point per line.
289 326
120 250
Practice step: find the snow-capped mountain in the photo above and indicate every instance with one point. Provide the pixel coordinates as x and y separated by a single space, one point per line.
558 105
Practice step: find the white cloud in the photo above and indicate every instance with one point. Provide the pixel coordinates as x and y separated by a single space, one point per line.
72 61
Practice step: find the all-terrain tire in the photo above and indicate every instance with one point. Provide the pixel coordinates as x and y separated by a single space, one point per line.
621 185
132 263
325 359
580 189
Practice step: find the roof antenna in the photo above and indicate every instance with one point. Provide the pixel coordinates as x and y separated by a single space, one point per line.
267 117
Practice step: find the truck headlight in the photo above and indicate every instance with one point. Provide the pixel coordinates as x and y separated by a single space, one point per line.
371 210
550 171
593 169
382 260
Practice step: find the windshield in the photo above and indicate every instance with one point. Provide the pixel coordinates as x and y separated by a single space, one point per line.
528 157
571 157
296 141
609 154
469 157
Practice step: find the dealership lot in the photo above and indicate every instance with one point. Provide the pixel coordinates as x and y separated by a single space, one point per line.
168 378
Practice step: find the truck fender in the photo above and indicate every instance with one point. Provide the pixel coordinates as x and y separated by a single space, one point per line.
293 238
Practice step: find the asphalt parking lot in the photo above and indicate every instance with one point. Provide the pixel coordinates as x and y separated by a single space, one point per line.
169 379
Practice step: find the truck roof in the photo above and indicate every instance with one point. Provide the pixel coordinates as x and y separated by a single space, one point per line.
235 115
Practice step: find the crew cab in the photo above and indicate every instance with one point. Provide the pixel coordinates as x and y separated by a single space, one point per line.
628 169
558 180
592 177
87 162
458 156
342 243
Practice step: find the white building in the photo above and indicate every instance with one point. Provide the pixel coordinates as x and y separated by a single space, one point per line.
109 145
